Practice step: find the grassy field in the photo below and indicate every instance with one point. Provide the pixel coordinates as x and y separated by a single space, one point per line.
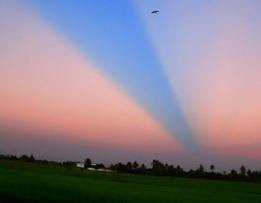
24 182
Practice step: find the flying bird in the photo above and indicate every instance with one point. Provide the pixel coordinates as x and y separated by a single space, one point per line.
155 11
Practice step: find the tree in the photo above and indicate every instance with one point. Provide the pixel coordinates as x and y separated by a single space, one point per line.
129 167
142 169
135 165
120 167
87 163
249 173
233 173
25 158
212 168
9 157
158 168
170 169
32 159
243 170
69 164
179 171
201 169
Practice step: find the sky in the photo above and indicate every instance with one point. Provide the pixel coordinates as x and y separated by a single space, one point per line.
111 81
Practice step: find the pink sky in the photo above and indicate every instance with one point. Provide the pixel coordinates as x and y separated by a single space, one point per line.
47 84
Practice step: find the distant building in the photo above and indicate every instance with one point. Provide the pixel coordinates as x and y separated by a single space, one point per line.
94 167
80 165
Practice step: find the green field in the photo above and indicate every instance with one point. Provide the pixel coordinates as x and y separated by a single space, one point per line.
25 182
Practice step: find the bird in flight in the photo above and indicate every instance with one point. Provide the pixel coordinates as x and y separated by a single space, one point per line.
155 11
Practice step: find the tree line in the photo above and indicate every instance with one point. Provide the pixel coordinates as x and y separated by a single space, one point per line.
157 169
160 169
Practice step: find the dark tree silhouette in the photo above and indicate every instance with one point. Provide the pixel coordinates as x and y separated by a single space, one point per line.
200 170
32 159
179 171
158 168
129 167
249 173
69 164
87 163
243 170
212 168
233 173
142 169
135 165
25 158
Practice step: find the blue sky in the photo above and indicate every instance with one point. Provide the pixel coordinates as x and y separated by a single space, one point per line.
113 35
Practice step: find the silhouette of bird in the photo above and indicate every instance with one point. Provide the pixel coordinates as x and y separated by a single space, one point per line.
155 11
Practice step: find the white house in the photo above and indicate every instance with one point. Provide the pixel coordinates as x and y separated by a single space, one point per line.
80 165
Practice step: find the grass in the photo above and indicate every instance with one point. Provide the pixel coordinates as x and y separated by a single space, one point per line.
25 182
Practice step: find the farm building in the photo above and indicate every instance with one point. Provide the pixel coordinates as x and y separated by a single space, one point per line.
80 165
